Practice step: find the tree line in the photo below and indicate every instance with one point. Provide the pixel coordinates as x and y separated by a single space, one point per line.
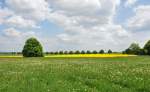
33 48
80 52
135 49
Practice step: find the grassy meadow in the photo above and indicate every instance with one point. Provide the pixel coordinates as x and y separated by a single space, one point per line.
117 74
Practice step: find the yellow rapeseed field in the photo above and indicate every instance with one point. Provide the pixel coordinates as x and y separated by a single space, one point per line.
74 55
91 55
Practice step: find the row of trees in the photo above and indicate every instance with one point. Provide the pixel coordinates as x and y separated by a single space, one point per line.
134 48
33 48
80 52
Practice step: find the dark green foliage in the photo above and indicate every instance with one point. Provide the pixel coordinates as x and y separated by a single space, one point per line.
88 52
147 48
133 49
52 53
83 52
95 52
71 52
101 52
77 52
56 52
47 53
32 48
66 52
109 51
61 52
142 52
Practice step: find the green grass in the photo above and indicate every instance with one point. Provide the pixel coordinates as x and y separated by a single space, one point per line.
128 74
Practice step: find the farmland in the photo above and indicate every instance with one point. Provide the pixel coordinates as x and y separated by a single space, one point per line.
49 74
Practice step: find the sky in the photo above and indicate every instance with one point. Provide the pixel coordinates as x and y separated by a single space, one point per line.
74 24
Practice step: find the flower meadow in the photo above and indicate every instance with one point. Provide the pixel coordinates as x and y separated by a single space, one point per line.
50 74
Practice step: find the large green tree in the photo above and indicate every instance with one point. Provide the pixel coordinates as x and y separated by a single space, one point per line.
133 49
32 48
147 48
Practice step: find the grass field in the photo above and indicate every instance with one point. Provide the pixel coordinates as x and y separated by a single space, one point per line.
118 74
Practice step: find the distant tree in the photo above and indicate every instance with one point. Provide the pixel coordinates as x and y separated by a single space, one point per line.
95 52
56 52
109 51
61 52
66 52
77 52
82 52
134 48
51 52
101 52
88 52
147 48
46 52
32 48
71 52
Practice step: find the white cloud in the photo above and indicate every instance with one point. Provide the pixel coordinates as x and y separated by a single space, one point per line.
13 39
129 3
88 29
76 6
19 22
141 20
87 24
25 14
30 9
11 32
14 33
3 14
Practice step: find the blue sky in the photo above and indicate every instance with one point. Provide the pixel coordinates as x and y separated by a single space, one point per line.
61 25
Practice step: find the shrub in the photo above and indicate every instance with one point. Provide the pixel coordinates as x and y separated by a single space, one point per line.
32 48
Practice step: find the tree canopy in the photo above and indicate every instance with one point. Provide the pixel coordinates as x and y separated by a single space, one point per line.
32 48
147 48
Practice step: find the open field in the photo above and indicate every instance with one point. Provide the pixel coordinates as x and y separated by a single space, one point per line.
119 74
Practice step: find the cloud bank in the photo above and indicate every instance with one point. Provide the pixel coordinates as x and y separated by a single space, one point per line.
86 24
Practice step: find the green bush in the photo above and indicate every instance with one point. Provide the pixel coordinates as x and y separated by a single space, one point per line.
32 48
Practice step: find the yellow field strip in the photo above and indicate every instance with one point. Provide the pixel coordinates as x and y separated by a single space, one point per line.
78 56
91 55
11 56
